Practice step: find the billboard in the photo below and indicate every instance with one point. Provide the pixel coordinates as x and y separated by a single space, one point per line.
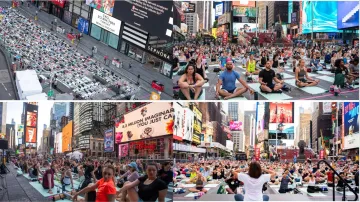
241 27
152 120
284 130
281 112
244 12
244 3
106 7
260 112
67 133
187 7
290 10
230 145
327 107
214 32
106 22
60 3
123 150
31 119
20 128
197 126
219 9
323 13
196 139
197 113
178 121
154 17
30 135
235 125
351 119
187 124
294 18
83 25
109 140
347 14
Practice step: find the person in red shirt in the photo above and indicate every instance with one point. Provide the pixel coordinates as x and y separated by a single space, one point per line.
106 187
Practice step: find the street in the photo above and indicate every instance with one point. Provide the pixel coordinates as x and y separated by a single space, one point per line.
6 88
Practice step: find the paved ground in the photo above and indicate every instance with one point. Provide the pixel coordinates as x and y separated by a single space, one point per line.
6 88
319 93
147 74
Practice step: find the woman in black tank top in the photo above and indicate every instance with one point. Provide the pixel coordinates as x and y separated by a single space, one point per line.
200 183
200 69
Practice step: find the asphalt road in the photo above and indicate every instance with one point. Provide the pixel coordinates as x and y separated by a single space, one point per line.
6 88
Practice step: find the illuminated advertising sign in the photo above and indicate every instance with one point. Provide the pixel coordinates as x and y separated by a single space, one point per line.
30 135
197 126
109 140
257 154
67 133
284 131
260 112
351 119
106 22
230 145
244 12
225 38
214 32
106 7
188 7
347 14
294 18
322 13
60 3
241 27
123 150
20 128
196 139
281 112
219 9
187 124
178 121
31 119
197 113
290 10
152 120
235 126
244 3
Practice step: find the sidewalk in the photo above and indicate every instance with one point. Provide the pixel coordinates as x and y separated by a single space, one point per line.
147 75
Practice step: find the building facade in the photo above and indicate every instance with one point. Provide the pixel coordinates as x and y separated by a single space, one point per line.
192 22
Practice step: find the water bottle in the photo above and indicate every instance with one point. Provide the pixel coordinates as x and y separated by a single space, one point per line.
58 190
196 196
332 87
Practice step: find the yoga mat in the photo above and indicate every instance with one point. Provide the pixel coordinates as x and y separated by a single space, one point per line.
202 96
269 96
206 85
43 191
304 190
189 185
211 185
207 72
287 76
313 90
326 78
326 72
256 77
313 75
275 185
235 98
214 65
190 195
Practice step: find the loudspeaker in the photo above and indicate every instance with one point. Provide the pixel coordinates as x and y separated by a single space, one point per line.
3 144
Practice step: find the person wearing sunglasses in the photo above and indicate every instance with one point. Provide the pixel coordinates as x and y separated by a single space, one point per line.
106 187
150 187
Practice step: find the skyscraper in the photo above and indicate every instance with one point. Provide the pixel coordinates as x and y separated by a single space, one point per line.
2 117
233 111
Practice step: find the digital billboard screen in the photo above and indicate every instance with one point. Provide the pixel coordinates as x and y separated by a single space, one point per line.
244 3
154 17
290 10
244 12
219 9
109 140
235 125
260 112
67 133
322 13
347 14
188 7
152 120
106 7
281 112
31 119
351 137
243 27
178 117
30 135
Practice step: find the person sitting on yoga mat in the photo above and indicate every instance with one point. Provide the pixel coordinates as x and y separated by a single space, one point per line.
251 67
200 183
284 183
233 184
316 65
342 69
150 187
253 182
106 190
48 177
191 83
227 81
302 77
131 176
165 173
266 78
34 170
66 175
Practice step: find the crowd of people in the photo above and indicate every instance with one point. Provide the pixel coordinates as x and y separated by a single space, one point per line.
99 180
249 180
192 59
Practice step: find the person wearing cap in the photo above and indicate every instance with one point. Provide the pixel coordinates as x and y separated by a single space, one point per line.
131 175
165 173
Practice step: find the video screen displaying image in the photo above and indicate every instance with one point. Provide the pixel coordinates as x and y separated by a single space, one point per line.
31 135
281 112
31 118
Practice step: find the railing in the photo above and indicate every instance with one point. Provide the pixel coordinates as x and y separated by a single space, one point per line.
344 181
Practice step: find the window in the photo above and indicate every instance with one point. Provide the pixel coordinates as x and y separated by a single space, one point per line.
93 145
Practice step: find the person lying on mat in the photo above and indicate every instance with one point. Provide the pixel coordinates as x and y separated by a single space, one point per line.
227 80
200 183
302 77
266 78
251 67
191 83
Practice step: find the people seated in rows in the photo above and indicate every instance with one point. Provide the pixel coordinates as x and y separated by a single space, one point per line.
354 68
227 82
66 176
48 177
284 183
165 173
200 182
191 83
341 72
302 77
316 65
233 183
267 77
200 67
251 67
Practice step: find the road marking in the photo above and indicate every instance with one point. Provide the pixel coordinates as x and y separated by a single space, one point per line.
9 94
4 86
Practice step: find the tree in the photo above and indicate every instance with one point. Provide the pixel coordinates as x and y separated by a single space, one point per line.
215 24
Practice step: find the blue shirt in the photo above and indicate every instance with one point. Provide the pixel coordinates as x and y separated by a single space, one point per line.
223 60
228 80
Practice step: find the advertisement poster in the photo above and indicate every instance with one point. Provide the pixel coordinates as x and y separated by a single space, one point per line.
66 137
109 140
118 137
30 135
225 38
244 12
260 112
187 123
351 125
197 126
83 26
123 150
105 6
31 118
321 154
257 154
154 17
294 18
281 112
104 21
214 32
60 3
219 9
243 27
152 120
197 113
347 14
67 17
30 145
235 125
325 17
244 3
178 117
284 130
196 139
290 10
188 7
